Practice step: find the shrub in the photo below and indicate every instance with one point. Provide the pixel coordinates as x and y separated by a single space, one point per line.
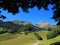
1 32
38 36
26 32
56 43
55 32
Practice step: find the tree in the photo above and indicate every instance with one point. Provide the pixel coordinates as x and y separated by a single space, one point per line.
55 32
9 26
27 28
14 5
2 16
38 36
56 43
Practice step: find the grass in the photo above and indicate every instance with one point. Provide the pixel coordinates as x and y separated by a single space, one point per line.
30 39
21 40
7 36
43 34
50 41
3 36
1 29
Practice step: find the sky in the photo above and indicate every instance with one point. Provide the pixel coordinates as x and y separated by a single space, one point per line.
34 16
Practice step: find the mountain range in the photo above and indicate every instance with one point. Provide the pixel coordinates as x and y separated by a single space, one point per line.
17 25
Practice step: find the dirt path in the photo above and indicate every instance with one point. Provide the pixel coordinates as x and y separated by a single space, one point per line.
36 43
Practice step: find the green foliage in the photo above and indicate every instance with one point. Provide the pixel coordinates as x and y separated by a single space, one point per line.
2 30
50 41
55 32
26 27
26 32
38 36
14 5
56 43
10 27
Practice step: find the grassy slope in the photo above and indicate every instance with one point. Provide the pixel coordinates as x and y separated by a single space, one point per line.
22 40
50 41
7 36
25 39
1 29
43 34
4 36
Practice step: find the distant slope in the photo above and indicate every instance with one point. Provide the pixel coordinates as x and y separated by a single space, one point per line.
44 25
15 26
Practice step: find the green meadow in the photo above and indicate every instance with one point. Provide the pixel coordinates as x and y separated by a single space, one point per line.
21 40
30 39
50 41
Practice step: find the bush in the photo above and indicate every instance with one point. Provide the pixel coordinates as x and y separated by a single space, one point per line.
38 36
55 32
56 43
26 32
1 32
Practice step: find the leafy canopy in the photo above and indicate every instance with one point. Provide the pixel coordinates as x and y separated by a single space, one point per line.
14 5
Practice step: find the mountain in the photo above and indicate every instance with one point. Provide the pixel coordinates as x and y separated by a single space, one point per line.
21 22
16 26
44 25
26 23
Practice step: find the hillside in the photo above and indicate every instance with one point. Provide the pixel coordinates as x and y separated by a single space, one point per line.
24 33
29 39
15 26
50 41
21 40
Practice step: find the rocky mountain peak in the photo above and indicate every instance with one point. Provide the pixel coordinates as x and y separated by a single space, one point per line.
43 24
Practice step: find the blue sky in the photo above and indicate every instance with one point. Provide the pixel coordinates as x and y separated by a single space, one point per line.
34 15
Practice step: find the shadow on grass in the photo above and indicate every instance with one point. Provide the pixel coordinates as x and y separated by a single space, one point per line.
56 43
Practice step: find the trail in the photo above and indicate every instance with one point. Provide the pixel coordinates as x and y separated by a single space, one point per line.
36 43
